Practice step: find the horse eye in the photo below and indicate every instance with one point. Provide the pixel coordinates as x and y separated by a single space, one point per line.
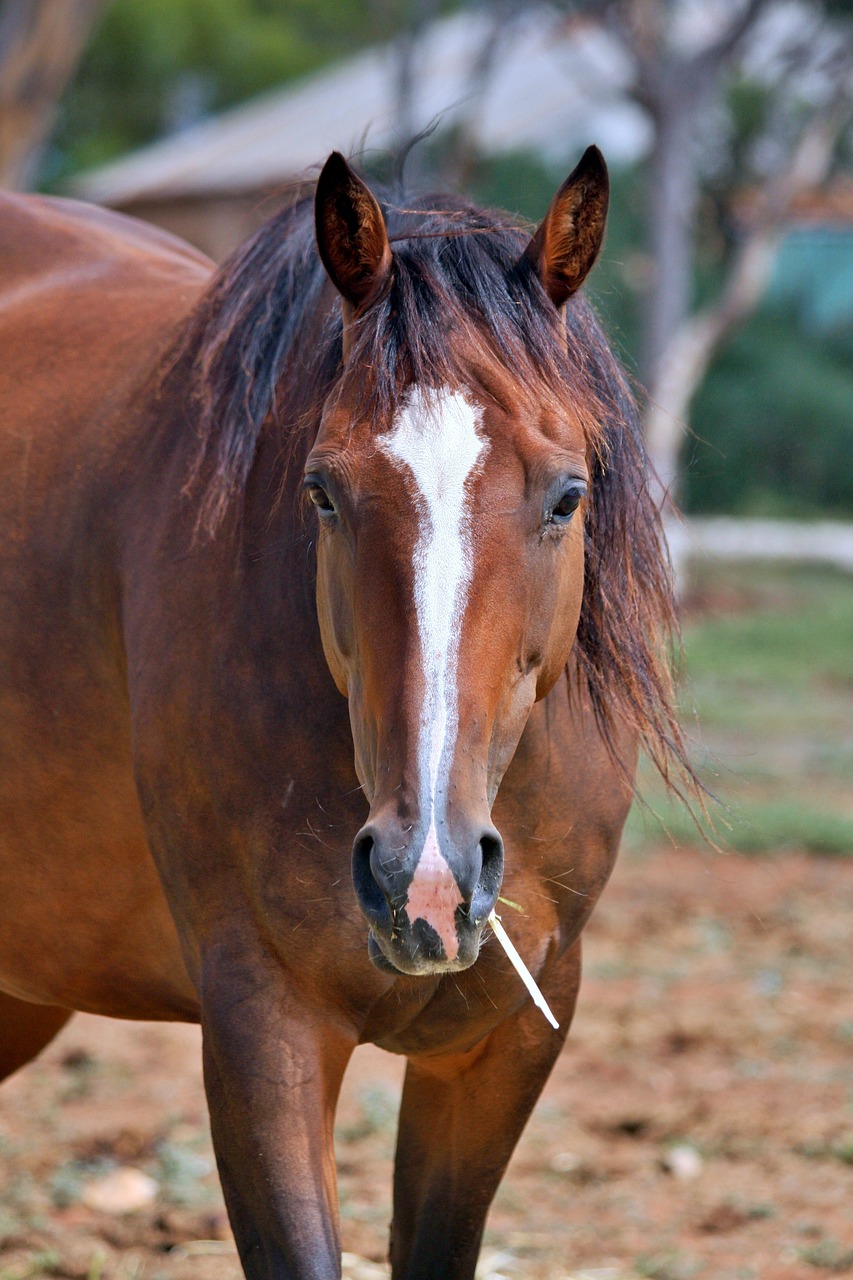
568 504
320 498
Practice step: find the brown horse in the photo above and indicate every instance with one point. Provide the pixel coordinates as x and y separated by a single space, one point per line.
209 690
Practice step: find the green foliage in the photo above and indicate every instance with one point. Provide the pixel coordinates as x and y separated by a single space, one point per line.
517 181
773 424
153 65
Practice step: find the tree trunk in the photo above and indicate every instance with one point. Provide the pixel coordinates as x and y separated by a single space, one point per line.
40 46
671 213
694 342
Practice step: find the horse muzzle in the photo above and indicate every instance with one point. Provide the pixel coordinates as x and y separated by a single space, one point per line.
425 898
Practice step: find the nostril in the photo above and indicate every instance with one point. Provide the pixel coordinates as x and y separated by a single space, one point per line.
369 893
491 875
492 853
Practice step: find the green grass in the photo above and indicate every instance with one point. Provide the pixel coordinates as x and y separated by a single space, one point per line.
769 661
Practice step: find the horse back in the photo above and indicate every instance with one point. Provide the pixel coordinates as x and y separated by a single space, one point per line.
88 301
41 236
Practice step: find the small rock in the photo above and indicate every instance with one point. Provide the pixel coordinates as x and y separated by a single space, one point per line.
576 1169
600 1273
566 1162
121 1191
497 1266
357 1268
683 1162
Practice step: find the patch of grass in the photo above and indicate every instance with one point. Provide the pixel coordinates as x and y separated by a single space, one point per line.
184 1175
828 1255
667 1266
769 661
96 1265
46 1263
379 1107
840 1149
68 1179
843 1150
747 827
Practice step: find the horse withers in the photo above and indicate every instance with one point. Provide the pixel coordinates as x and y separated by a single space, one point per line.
333 605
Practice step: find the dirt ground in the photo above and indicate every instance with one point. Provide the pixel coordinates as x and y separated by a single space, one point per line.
699 1123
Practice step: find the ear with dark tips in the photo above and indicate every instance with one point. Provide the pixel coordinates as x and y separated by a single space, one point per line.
351 234
567 243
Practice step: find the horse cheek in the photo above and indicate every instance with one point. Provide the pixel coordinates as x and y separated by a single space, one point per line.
335 616
568 599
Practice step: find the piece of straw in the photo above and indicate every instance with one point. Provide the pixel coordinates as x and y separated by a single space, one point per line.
522 969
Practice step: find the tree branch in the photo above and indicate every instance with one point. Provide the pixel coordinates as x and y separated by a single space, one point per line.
40 45
731 39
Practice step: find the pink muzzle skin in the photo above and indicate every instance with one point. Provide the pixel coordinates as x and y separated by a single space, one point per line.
434 895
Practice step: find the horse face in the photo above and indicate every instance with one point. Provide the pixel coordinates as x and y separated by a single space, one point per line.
450 576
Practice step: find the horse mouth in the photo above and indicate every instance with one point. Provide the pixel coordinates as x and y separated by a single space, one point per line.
410 957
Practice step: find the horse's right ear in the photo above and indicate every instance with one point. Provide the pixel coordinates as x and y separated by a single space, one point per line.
351 233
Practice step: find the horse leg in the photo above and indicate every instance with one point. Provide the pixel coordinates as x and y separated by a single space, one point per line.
460 1119
25 1029
272 1073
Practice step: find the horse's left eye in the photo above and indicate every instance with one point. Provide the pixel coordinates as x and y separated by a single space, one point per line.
568 504
320 498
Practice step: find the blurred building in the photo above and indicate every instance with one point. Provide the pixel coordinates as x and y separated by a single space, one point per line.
541 83
813 273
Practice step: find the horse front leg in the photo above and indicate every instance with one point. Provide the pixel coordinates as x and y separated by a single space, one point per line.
272 1070
460 1119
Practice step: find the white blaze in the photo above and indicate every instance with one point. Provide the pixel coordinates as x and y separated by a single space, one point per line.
435 437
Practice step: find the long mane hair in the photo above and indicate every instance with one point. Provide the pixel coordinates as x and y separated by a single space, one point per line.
265 348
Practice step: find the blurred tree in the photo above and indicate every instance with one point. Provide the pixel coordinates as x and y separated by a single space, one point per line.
40 45
726 116
801 106
157 65
741 94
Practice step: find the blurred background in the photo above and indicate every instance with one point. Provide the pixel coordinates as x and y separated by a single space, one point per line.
716 1019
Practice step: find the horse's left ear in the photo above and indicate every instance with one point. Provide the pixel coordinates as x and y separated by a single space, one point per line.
351 234
567 243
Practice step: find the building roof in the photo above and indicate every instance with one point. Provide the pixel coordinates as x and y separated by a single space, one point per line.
553 88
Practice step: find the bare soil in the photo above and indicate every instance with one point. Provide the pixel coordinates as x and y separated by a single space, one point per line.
714 1036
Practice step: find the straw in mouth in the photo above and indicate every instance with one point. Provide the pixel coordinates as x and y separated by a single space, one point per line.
521 969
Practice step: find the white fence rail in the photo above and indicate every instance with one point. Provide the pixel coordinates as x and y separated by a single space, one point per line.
724 538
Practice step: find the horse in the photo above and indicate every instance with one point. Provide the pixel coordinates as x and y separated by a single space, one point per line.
335 611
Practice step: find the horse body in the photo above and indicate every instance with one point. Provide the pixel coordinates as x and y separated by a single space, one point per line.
181 781
86 302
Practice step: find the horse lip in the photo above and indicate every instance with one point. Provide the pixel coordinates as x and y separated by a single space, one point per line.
425 969
379 959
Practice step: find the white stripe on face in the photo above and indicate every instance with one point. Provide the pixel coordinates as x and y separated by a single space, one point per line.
435 437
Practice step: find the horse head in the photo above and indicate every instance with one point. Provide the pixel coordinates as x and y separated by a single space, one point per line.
450 558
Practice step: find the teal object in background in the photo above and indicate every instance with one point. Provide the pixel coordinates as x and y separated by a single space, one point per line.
813 274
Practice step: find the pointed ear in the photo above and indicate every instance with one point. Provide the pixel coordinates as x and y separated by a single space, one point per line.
567 243
351 234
